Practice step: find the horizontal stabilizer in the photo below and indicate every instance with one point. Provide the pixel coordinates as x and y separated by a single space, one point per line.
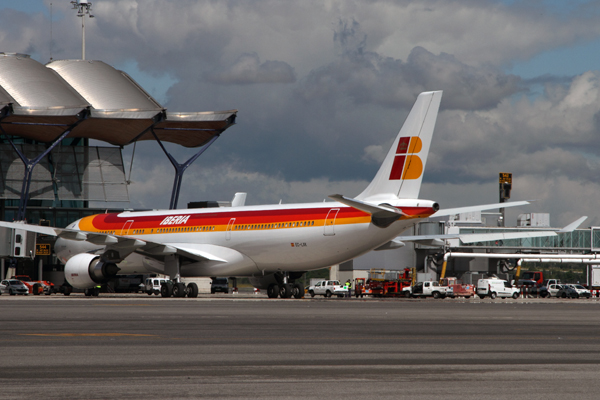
382 215
366 207
391 245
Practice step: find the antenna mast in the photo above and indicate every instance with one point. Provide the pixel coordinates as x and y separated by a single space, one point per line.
50 32
83 7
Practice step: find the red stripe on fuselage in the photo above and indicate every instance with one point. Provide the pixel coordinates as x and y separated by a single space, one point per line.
112 222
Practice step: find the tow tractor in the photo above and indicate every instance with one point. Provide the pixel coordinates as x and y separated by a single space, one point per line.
36 287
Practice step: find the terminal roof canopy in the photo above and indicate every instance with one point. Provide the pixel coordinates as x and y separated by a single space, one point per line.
97 101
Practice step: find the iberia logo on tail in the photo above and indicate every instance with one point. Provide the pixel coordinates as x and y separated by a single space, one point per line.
407 165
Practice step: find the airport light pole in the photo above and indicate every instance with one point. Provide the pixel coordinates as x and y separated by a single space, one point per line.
83 7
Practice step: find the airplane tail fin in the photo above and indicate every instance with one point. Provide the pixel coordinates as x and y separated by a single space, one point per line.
401 173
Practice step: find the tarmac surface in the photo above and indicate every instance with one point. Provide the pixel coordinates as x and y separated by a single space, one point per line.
245 346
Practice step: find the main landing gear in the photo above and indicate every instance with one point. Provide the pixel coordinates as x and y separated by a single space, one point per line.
285 290
178 289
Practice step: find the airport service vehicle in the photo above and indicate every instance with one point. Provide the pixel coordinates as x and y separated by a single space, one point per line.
219 285
13 287
152 285
552 282
272 245
494 287
426 289
36 287
580 290
327 288
384 283
457 288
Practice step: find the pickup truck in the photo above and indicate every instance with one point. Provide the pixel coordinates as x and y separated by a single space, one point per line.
327 288
425 289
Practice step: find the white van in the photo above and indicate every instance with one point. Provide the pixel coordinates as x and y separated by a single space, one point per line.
153 285
494 287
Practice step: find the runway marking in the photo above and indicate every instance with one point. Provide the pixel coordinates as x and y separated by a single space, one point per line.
86 334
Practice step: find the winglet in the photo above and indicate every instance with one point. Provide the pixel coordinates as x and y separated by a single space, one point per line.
573 225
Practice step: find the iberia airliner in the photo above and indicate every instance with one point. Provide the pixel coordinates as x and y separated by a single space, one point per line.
271 244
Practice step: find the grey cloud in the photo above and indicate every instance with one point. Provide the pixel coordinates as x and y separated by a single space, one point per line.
247 69
367 77
351 88
552 137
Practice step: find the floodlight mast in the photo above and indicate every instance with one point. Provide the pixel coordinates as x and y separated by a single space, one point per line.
83 7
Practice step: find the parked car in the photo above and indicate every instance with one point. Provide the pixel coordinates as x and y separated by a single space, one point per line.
567 291
553 289
219 285
533 288
13 287
581 291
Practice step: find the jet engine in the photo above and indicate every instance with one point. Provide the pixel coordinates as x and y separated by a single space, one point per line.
88 270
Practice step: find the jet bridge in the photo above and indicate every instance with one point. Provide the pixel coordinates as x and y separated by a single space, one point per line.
92 100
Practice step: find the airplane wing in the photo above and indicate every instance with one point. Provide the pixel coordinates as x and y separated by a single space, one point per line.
436 240
123 244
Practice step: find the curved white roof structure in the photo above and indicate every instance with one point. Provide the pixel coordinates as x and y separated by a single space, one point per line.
39 102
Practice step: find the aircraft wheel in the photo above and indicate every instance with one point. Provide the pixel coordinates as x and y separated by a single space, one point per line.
87 292
192 290
297 291
273 291
179 290
149 293
285 291
166 290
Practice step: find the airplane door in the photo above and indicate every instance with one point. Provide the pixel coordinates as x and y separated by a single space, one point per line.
126 226
330 222
229 228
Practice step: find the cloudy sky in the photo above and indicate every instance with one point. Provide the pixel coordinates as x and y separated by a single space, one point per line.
322 87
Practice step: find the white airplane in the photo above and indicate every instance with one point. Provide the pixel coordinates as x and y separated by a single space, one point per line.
273 245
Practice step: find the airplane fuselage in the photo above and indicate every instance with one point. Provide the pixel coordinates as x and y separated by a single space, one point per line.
252 239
